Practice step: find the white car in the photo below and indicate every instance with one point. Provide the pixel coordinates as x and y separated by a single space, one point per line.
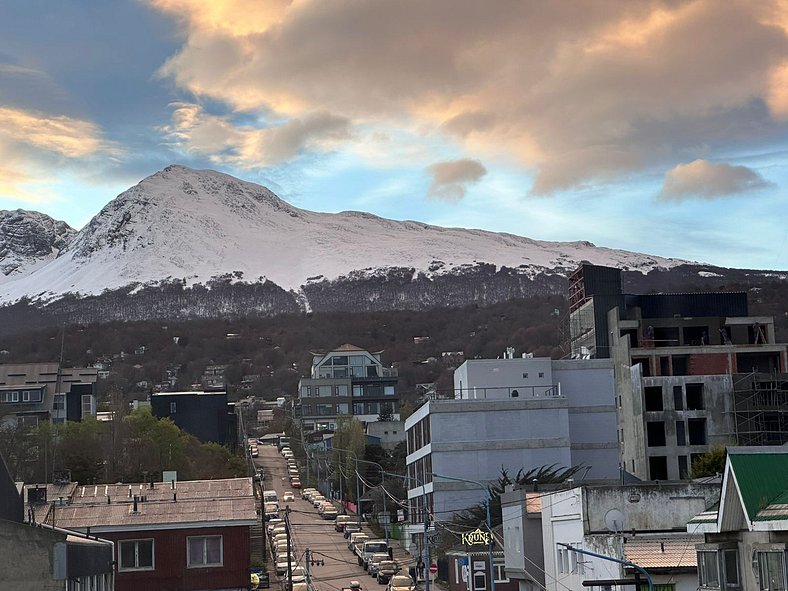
287 497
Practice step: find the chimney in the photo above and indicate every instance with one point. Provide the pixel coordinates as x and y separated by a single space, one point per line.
136 507
174 497
129 491
172 484
109 501
151 482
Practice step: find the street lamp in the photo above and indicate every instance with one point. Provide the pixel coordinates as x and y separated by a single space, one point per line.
489 523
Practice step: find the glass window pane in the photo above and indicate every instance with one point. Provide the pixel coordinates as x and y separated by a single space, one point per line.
731 566
195 551
213 550
127 555
145 553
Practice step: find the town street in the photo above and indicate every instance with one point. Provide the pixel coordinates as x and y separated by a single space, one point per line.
311 532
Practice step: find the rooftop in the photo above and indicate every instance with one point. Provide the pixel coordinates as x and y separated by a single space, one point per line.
671 552
110 507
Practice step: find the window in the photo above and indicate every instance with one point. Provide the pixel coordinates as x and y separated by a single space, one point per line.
541 374
678 398
708 570
730 568
324 410
695 397
525 375
515 394
204 551
500 573
653 398
173 407
358 390
658 467
342 408
136 555
389 391
771 571
683 469
59 402
87 405
12 396
697 431
681 435
358 408
479 580
341 390
680 365
655 431
322 390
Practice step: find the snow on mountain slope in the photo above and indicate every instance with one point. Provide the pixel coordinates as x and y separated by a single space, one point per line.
193 225
28 240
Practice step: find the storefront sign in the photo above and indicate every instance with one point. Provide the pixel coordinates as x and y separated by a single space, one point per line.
477 537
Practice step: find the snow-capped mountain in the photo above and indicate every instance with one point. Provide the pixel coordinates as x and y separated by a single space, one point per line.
29 240
191 226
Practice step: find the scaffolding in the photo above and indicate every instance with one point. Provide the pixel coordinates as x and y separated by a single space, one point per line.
761 408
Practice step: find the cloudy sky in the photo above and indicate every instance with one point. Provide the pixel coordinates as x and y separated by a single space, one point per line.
655 126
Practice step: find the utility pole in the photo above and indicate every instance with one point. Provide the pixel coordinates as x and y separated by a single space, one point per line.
289 550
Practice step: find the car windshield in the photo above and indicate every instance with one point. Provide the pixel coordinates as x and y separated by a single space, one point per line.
376 547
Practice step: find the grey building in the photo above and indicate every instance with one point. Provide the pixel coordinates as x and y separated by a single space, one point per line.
35 392
39 557
691 370
513 413
347 381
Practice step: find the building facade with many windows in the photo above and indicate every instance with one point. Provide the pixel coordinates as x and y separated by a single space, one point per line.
348 381
692 370
35 392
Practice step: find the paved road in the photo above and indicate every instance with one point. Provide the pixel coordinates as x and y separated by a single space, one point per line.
311 531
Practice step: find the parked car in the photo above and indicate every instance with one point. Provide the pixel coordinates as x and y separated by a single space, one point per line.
375 560
329 512
351 528
356 537
386 570
401 583
370 548
288 496
341 520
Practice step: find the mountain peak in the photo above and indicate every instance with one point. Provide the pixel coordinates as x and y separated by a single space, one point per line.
191 226
29 239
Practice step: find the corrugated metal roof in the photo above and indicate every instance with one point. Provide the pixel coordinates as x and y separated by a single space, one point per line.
193 501
662 552
762 479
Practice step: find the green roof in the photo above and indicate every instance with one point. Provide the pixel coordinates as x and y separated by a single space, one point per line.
762 480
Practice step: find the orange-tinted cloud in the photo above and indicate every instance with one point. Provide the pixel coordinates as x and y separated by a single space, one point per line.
450 179
576 91
216 138
709 180
33 144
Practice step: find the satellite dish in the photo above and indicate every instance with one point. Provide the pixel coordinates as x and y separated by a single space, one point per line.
614 520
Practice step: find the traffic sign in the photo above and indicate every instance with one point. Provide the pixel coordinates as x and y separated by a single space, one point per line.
433 568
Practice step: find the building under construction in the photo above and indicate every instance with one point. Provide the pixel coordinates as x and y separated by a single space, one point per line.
692 370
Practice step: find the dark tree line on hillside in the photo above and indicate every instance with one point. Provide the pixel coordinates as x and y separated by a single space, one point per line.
279 349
